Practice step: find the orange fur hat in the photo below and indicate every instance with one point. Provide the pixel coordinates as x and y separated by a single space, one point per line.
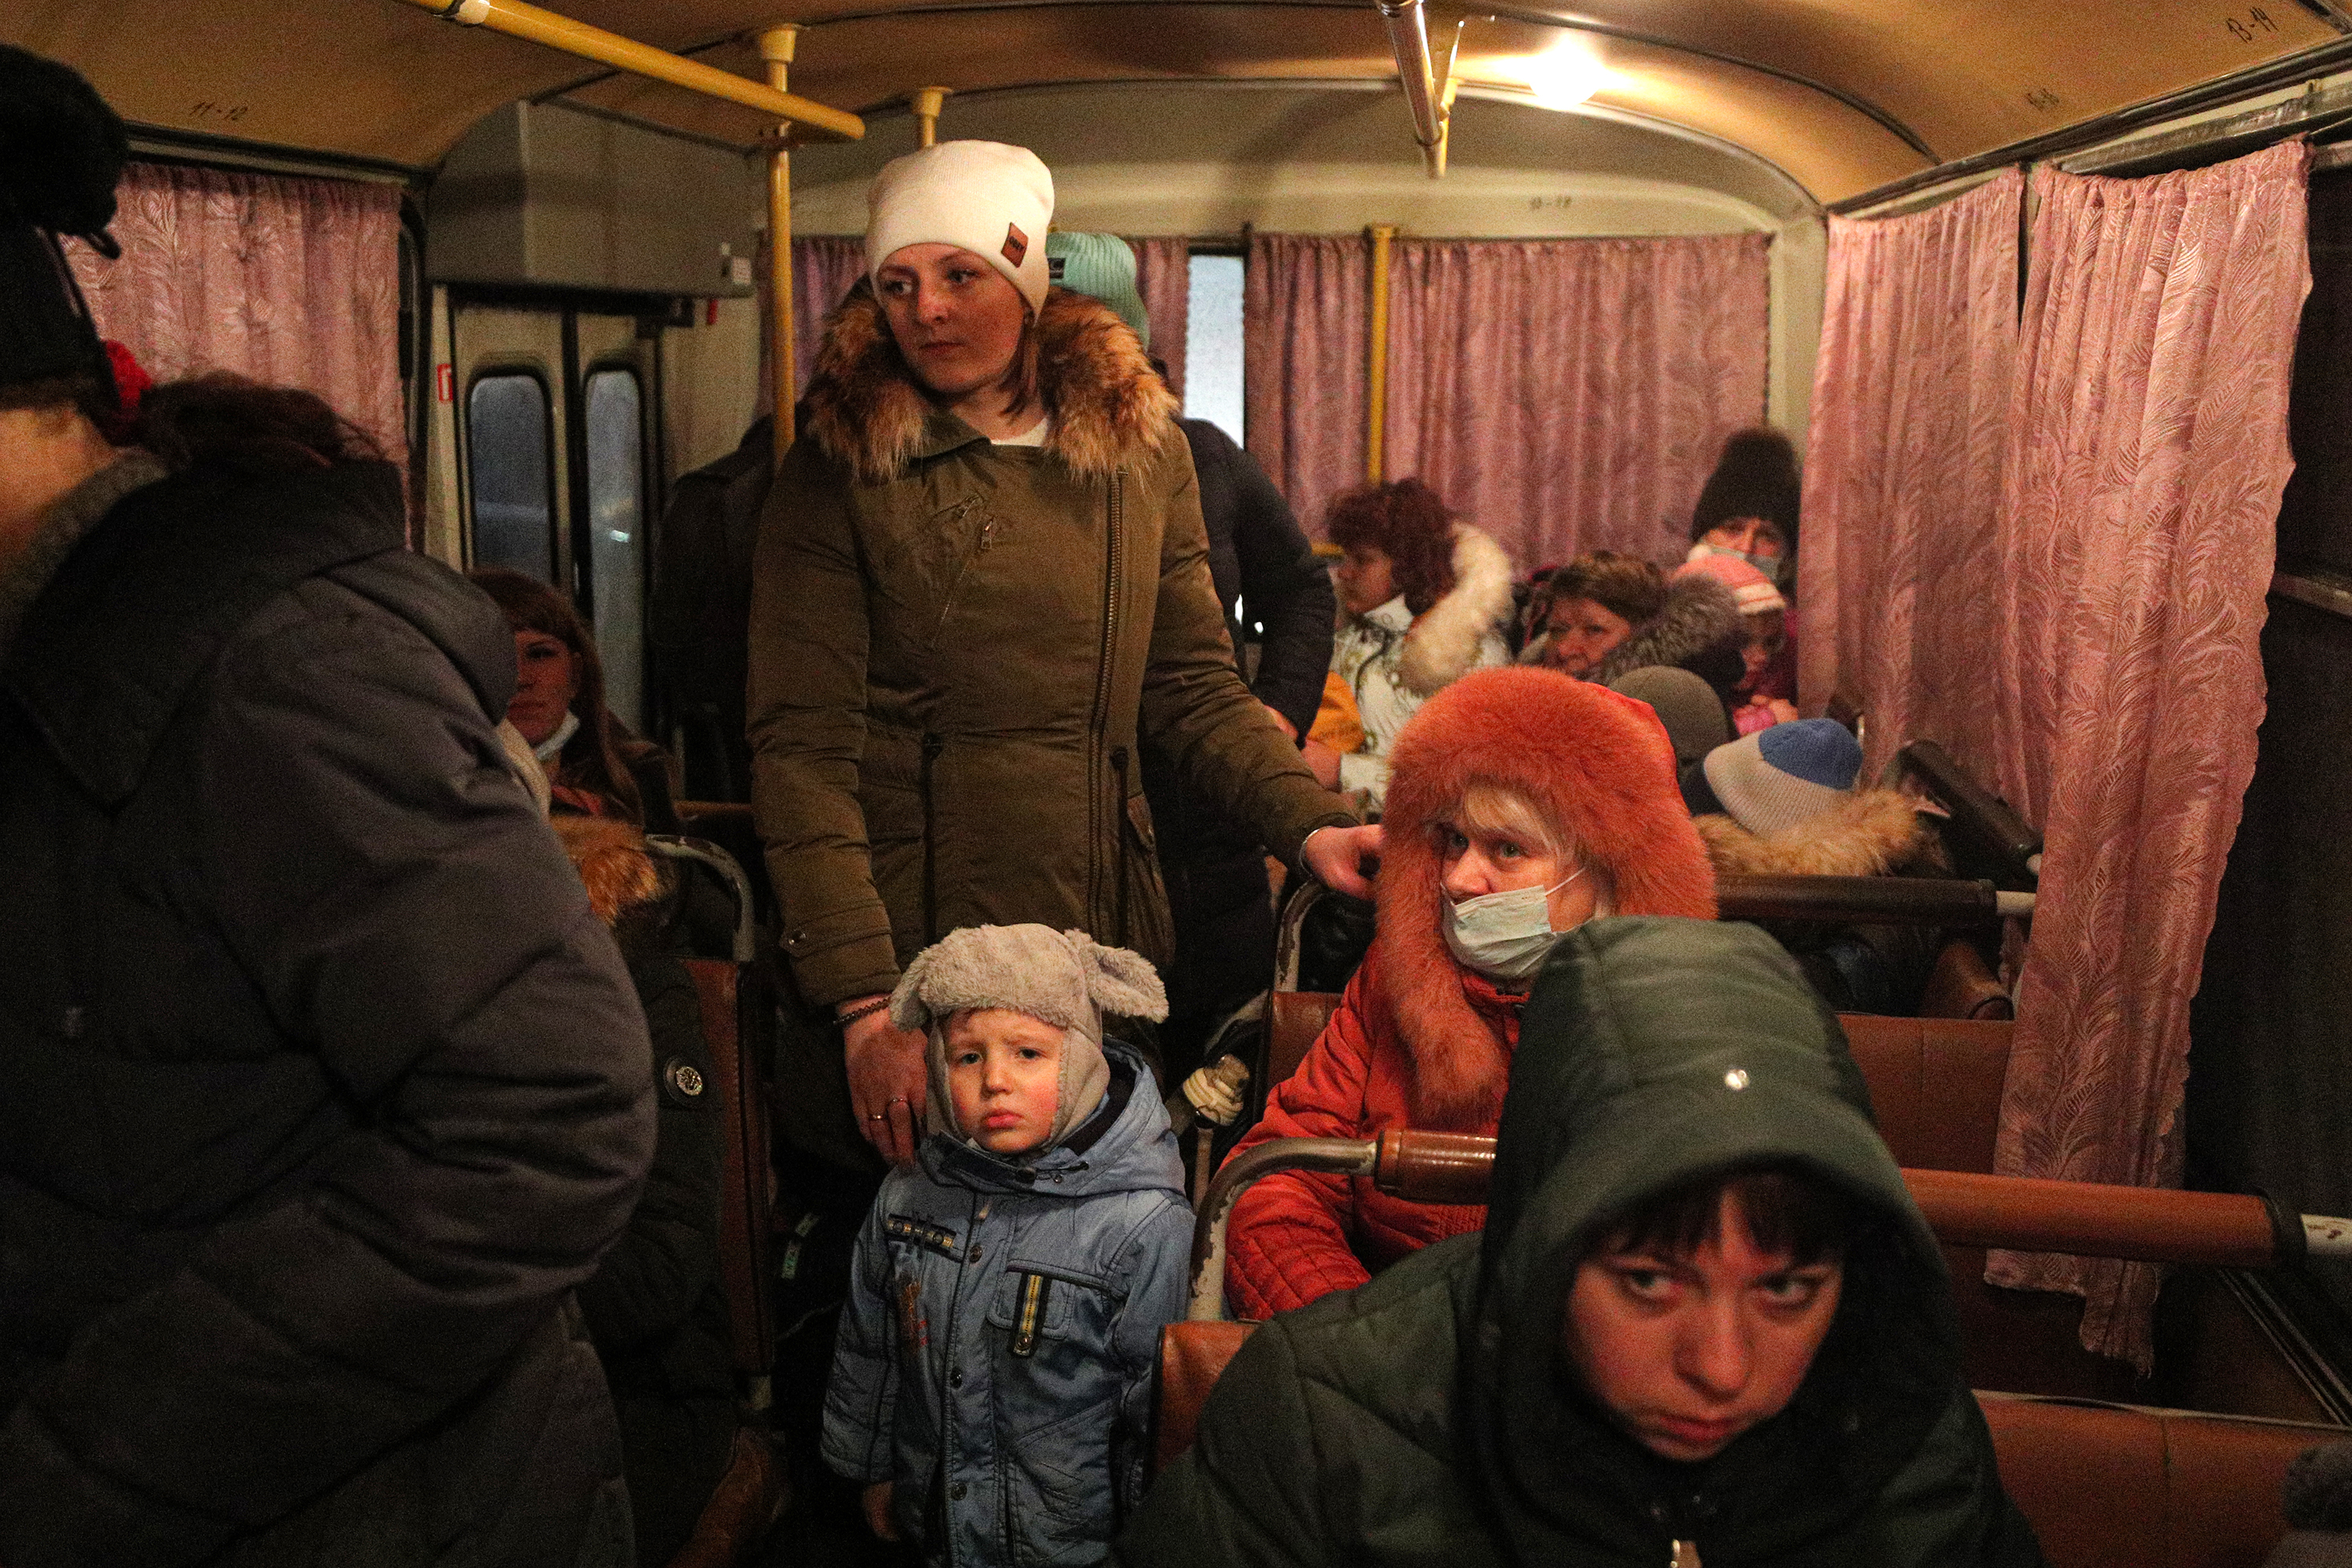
1596 763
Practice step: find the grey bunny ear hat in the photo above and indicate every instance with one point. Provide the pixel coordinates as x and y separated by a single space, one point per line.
1064 978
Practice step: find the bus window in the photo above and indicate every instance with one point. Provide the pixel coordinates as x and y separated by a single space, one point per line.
617 537
1212 342
506 449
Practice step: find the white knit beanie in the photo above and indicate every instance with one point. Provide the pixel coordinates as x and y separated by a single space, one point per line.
1779 777
993 200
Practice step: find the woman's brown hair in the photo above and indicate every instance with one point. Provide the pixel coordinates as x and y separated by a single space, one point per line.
1406 522
1622 585
1783 1210
592 758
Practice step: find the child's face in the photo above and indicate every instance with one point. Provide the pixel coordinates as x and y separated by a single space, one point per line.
1004 1072
1688 1352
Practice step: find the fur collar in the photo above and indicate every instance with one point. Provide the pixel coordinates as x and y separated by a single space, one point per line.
1107 406
1442 645
1595 762
1700 613
1871 833
613 864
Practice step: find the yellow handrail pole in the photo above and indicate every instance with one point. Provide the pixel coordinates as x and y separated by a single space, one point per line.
519 20
929 100
1376 380
775 47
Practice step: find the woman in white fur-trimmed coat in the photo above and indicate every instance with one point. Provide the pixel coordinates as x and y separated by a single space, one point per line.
1423 600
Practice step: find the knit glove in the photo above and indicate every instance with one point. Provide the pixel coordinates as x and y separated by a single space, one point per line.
1214 1091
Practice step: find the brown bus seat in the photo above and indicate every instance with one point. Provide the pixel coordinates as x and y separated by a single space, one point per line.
1962 986
2116 1486
2105 1486
752 1491
1935 1085
1293 1019
1935 1082
733 1008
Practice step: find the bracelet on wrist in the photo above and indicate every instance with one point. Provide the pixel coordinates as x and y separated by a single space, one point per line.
842 1020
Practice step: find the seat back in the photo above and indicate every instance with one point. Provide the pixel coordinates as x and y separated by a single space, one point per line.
2114 1486
744 1199
1935 1086
1293 1020
1962 986
732 1001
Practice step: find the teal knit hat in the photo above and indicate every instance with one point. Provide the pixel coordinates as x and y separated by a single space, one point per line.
1102 266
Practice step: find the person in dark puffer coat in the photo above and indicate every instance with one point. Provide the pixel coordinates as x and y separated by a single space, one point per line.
320 1084
1436 1415
655 1308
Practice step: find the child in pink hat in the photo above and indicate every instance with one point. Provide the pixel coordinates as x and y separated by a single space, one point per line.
1766 693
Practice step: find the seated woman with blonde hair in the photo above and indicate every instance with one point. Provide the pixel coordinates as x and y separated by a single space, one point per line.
1523 802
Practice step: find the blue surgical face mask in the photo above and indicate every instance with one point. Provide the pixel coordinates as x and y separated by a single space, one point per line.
1504 936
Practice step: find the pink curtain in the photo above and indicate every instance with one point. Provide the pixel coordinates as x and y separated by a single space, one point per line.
1571 394
825 267
295 282
1902 471
2147 452
1163 276
1304 313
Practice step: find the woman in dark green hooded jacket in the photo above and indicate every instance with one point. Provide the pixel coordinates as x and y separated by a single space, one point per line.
1433 1416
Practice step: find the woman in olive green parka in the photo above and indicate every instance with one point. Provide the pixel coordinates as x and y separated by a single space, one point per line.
962 630
1434 1417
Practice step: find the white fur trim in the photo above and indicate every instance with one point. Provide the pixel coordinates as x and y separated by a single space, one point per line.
1444 643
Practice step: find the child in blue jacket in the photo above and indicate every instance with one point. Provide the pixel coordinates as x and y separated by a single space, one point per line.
992 1377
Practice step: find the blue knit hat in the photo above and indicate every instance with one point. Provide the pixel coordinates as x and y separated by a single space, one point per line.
1101 266
1778 777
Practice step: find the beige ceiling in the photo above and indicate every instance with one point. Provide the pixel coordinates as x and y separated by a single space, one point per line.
1843 95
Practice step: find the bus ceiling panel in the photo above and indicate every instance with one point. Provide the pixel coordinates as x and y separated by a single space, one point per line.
1204 158
1966 76
376 80
361 78
1956 77
1826 145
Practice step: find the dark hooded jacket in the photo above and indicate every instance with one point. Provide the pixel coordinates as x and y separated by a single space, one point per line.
321 1086
1426 1418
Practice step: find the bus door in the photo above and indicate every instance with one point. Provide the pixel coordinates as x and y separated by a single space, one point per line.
557 423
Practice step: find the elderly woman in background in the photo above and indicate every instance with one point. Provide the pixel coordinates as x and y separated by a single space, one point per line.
1605 615
1425 599
1523 804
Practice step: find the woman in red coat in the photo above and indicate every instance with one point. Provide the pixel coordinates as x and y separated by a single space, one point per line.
1523 802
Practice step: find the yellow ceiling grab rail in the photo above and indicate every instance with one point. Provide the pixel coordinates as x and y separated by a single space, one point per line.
518 19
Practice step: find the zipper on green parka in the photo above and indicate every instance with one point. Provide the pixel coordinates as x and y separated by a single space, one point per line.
933 745
1111 581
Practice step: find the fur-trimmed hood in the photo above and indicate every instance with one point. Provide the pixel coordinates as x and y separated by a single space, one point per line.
1107 406
1871 833
1597 764
1701 617
1443 645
